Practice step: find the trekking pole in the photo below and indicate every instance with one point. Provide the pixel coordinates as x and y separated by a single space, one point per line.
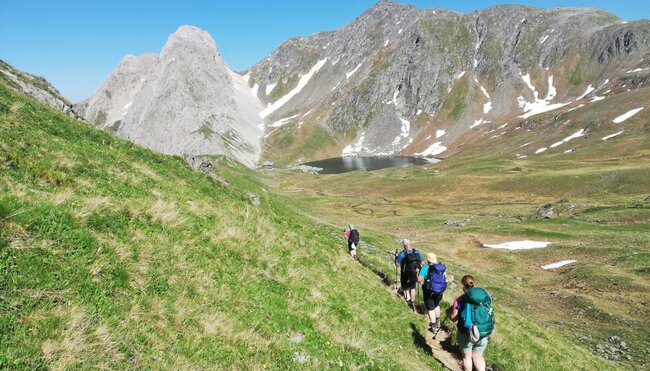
441 323
396 253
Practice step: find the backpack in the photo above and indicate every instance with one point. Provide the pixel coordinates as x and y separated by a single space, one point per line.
435 280
411 262
354 237
477 314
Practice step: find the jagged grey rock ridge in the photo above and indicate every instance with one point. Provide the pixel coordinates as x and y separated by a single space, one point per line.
184 101
36 87
399 79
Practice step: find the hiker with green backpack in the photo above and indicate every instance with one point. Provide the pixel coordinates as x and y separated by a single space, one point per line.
475 316
434 283
409 261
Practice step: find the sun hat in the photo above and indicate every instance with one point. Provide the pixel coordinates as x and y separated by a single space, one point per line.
431 257
406 242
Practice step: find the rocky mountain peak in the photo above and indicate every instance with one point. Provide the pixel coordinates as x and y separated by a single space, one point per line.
190 40
185 101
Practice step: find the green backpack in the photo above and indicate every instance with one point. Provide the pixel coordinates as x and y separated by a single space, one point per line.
477 313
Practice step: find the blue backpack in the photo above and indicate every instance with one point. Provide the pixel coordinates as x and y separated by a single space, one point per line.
435 280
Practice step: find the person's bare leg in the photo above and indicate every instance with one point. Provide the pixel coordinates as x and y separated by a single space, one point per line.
432 316
479 361
467 361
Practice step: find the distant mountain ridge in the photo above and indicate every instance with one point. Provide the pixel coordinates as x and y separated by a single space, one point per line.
397 79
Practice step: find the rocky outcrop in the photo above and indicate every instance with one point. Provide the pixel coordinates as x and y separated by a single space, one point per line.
184 101
36 87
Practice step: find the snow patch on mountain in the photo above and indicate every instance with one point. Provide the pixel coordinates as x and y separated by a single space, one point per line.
304 79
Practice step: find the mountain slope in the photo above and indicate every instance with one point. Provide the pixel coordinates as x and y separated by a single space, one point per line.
113 256
399 79
185 101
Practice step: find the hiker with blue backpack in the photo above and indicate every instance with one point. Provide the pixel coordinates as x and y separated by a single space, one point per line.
409 261
434 282
475 316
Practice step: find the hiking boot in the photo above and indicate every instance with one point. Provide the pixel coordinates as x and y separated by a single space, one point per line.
438 323
410 304
433 327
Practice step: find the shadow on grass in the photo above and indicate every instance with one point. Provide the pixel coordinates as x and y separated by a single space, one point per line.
419 340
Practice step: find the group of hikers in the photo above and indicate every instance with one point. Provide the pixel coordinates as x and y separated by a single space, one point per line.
472 310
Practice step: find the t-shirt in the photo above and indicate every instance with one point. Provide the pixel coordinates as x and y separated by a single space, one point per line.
347 234
403 253
424 271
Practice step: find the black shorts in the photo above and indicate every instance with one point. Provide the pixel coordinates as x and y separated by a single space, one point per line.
350 246
431 300
408 280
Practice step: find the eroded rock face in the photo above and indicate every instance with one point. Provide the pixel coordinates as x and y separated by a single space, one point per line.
184 101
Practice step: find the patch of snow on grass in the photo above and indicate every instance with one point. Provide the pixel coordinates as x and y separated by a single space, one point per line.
459 75
596 99
400 31
626 115
544 39
637 70
558 264
539 105
126 106
428 137
434 149
349 74
577 134
386 43
612 135
254 90
575 108
569 150
518 245
440 133
304 79
336 86
540 150
418 112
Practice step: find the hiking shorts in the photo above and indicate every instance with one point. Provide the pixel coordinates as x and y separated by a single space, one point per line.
408 280
350 246
431 300
466 345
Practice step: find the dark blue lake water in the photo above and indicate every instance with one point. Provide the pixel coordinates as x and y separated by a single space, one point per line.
338 165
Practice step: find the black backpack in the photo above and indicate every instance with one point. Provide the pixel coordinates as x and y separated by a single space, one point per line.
411 262
354 237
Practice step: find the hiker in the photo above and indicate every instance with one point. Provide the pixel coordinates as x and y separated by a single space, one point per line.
473 311
409 260
352 236
433 277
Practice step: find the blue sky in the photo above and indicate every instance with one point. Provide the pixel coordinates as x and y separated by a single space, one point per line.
75 44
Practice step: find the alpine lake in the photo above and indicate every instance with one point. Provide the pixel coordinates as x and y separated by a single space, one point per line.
339 165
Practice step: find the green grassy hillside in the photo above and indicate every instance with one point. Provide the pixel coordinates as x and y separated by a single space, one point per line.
551 319
112 256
